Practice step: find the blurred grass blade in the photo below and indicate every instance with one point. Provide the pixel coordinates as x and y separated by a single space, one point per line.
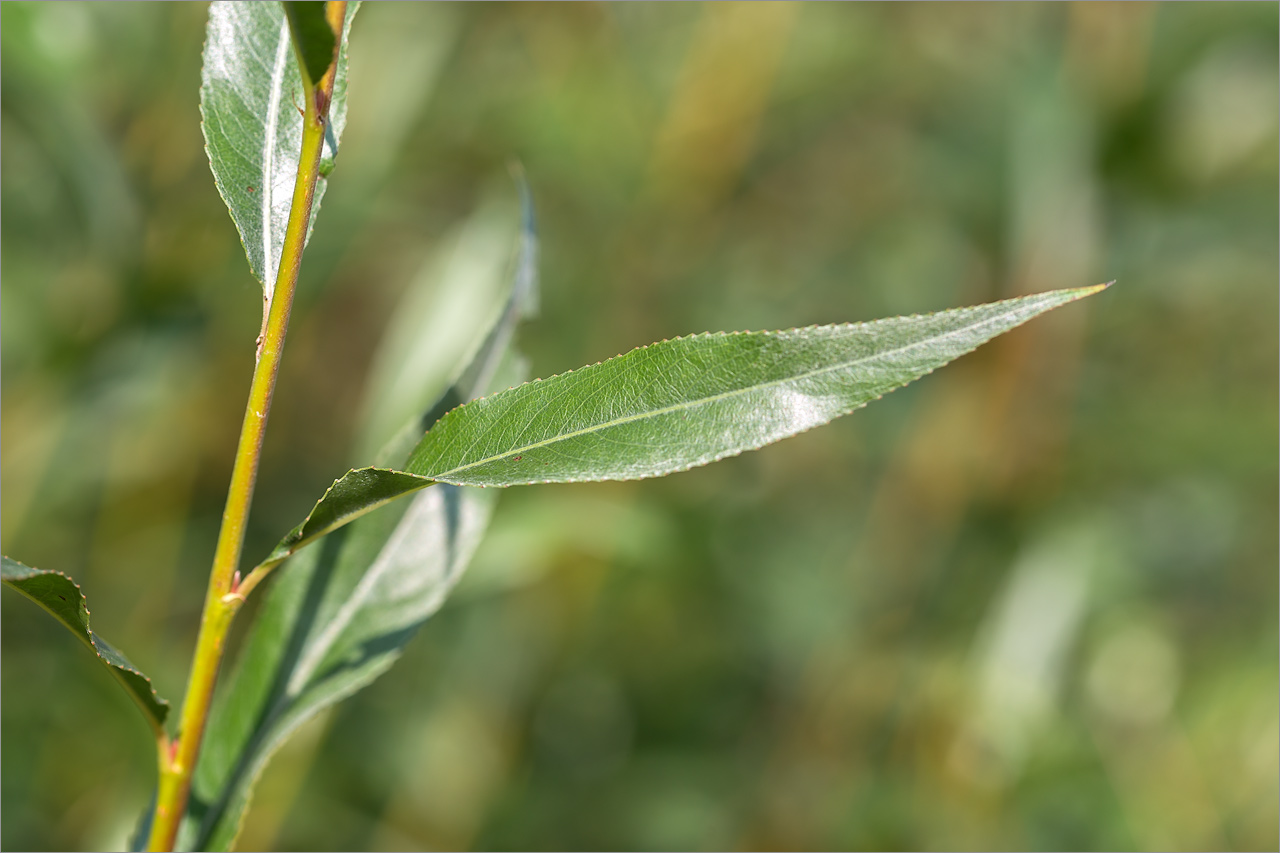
673 405
250 93
341 614
61 596
311 35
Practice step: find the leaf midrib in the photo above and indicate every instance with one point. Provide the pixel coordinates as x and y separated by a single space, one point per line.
268 156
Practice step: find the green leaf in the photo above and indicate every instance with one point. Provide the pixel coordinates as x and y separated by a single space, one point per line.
61 596
674 405
363 490
339 614
311 35
471 280
336 618
250 94
681 403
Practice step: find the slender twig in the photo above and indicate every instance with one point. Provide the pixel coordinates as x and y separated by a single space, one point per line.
178 756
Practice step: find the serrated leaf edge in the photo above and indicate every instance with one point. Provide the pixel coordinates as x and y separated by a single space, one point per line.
1079 293
1067 296
1075 295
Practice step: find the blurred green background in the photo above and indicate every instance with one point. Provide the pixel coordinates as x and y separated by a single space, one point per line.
1027 603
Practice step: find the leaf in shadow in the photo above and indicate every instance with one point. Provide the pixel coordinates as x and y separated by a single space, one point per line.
332 623
311 35
362 490
340 613
61 596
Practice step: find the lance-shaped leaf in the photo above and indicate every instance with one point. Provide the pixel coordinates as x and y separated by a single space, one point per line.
61 596
674 405
250 94
362 490
681 403
335 620
339 615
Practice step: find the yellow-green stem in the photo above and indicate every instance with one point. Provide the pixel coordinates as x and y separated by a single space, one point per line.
177 758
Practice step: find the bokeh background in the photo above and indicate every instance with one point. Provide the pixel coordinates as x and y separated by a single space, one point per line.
1029 602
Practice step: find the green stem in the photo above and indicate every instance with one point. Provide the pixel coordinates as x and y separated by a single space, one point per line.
178 757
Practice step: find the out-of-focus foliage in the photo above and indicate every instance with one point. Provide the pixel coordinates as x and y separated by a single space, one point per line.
1030 602
343 611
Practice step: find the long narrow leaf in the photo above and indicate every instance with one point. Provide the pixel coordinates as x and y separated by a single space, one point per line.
250 93
339 615
690 401
469 282
334 621
674 405
61 596
365 489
